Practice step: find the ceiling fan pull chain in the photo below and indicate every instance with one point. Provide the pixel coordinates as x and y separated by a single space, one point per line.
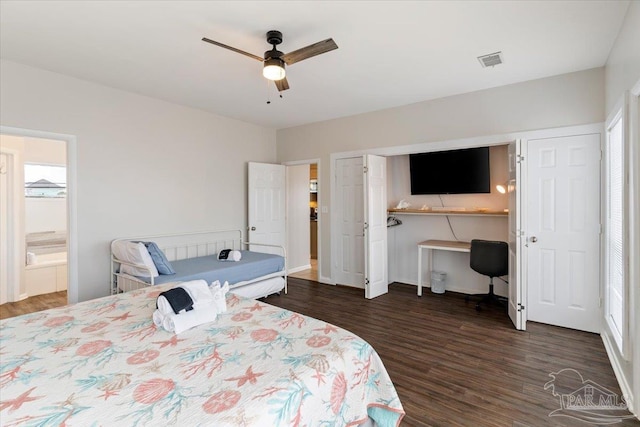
266 87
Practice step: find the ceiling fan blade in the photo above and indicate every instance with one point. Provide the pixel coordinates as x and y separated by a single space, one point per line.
250 55
309 51
282 84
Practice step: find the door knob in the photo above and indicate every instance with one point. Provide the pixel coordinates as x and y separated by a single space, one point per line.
253 229
533 239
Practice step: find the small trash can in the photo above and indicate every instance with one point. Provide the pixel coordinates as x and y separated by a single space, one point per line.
438 279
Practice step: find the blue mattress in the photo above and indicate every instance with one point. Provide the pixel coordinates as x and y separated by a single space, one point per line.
252 265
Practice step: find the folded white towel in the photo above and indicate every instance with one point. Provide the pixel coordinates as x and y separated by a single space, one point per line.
229 255
199 293
178 323
220 295
197 290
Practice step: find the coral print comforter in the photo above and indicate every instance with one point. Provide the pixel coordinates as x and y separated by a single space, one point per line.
104 363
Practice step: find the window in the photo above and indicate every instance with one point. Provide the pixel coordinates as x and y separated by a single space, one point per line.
616 292
45 181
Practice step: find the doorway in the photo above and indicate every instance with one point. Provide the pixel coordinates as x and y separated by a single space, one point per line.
40 215
303 220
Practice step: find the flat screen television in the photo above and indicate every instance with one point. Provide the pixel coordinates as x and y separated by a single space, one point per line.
451 172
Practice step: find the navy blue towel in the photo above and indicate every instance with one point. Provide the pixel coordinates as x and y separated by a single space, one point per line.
178 298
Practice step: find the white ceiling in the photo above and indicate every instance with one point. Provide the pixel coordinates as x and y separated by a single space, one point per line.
390 53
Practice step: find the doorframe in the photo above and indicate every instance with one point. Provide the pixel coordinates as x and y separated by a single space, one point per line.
14 251
317 162
634 245
72 204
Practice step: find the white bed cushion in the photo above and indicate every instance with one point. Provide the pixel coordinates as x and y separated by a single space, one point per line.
134 253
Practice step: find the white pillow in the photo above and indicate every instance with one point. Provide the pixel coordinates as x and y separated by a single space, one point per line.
135 253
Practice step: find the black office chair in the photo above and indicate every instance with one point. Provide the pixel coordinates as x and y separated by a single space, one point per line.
489 258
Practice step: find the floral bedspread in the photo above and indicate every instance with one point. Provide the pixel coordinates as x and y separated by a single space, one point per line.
104 363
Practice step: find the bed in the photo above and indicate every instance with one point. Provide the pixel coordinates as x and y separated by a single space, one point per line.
103 362
260 272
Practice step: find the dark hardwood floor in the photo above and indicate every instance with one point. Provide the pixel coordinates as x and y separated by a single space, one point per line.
453 366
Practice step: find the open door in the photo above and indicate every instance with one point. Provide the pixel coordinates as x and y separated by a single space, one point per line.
516 306
348 244
375 226
267 205
7 257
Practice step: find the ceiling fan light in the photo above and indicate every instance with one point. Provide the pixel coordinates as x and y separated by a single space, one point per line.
274 69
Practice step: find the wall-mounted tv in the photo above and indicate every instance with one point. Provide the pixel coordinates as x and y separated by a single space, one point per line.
451 172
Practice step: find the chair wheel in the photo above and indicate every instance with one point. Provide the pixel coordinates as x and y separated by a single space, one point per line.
478 308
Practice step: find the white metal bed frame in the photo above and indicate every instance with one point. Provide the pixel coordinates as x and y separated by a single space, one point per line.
189 245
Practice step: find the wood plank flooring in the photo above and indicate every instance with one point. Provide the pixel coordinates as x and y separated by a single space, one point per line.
33 304
309 274
453 366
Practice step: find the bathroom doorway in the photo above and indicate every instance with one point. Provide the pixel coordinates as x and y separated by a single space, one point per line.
37 206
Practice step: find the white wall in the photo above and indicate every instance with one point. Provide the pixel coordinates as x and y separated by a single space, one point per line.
298 234
564 100
399 185
144 166
45 214
622 72
45 151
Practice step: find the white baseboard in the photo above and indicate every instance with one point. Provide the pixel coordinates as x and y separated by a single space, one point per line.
627 392
23 297
326 280
301 268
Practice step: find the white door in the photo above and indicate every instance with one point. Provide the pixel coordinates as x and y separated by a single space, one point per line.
349 260
563 231
375 213
516 305
4 229
267 186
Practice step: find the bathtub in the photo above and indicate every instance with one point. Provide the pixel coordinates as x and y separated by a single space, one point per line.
47 274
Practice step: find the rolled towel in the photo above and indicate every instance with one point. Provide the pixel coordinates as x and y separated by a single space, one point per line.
199 292
196 289
229 255
219 295
158 318
177 299
178 323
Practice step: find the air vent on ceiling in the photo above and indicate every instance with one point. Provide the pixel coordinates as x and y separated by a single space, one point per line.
491 59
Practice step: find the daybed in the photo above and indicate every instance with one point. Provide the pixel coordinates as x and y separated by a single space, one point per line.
194 256
103 362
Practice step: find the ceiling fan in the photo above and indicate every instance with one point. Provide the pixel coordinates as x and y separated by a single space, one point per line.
274 60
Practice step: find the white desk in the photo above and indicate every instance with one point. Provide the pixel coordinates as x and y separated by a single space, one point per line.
442 245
